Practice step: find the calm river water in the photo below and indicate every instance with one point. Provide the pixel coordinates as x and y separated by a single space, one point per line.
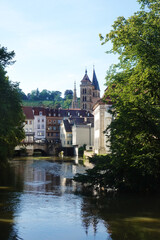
38 202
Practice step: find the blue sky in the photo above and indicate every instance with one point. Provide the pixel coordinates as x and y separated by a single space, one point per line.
55 40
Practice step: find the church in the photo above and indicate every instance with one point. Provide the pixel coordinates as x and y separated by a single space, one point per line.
89 93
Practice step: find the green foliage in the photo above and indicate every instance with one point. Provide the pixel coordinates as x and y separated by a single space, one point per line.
134 88
47 98
11 120
6 57
68 94
81 150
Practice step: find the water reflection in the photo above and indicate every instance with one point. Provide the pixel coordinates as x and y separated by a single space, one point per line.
125 217
8 201
37 202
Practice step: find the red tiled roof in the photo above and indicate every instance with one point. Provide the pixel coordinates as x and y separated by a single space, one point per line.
28 112
39 109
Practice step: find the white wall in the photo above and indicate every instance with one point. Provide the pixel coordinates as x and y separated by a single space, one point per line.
40 127
65 137
101 120
82 134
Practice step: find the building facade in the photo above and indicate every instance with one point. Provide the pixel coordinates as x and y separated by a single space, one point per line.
83 134
66 134
53 121
29 124
39 123
102 119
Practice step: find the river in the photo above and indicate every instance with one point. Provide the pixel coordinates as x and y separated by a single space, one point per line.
38 201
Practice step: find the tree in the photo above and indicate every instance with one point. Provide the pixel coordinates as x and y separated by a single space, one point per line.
134 88
44 95
6 57
34 95
11 121
68 94
22 94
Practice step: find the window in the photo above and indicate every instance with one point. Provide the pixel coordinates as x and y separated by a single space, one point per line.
30 129
26 122
49 128
42 119
26 130
84 106
84 90
54 128
40 113
42 126
30 122
40 133
49 121
84 98
38 120
38 126
59 121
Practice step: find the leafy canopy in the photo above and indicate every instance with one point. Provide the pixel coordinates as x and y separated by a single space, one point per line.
11 116
134 88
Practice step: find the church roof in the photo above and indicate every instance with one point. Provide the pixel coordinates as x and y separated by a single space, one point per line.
95 81
85 78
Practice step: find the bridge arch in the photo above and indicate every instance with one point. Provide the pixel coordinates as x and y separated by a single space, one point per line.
38 151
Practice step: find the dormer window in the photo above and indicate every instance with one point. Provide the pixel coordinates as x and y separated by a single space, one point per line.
40 113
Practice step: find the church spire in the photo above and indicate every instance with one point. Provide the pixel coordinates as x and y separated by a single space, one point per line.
74 100
95 81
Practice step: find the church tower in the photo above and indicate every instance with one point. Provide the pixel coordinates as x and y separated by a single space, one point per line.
89 92
86 93
74 100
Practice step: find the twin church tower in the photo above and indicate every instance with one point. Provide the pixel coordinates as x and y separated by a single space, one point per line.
89 93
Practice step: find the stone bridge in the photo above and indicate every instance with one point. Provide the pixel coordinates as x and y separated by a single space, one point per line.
32 147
